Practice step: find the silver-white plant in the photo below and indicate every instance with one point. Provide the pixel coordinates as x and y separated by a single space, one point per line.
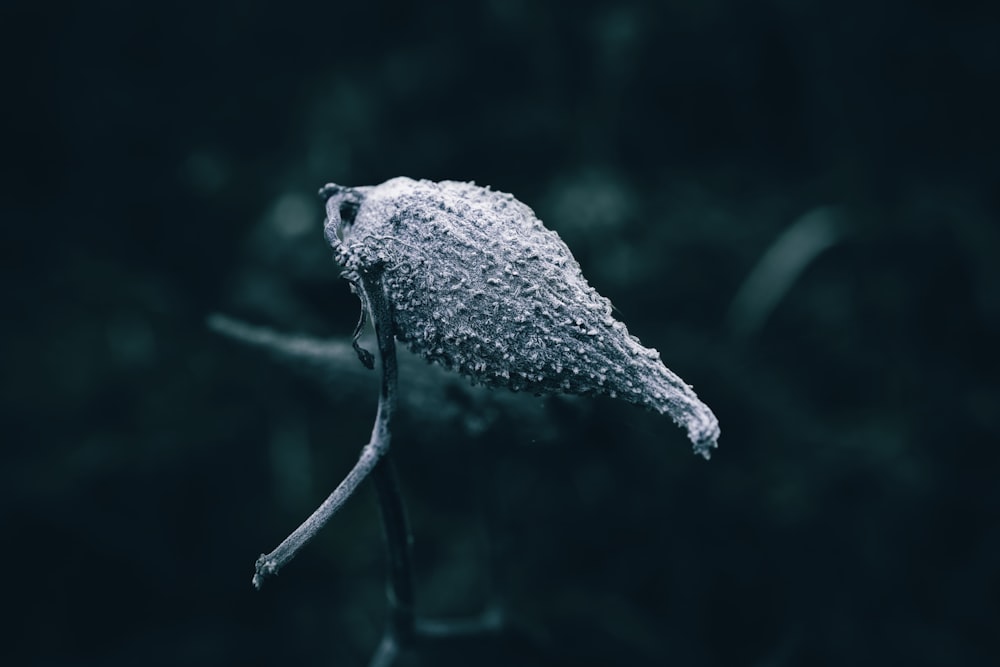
471 279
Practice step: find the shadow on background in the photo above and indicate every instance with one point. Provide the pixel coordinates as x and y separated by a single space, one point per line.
795 204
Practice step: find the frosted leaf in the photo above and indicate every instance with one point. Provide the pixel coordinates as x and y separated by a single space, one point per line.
479 285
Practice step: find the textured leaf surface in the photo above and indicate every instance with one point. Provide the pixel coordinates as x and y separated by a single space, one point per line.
479 285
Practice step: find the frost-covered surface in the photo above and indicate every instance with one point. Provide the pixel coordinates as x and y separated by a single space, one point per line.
481 286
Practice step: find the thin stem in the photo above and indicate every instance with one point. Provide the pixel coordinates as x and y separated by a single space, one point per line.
402 628
399 587
371 453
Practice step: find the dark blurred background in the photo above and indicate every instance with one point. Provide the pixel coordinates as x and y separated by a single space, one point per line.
796 203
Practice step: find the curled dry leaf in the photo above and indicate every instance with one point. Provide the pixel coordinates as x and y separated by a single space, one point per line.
479 285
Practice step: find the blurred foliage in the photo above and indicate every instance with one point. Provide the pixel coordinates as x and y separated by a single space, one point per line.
161 164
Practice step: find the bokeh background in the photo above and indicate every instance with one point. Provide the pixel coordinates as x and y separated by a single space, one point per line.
796 203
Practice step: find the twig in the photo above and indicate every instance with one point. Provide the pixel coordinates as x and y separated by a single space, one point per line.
401 624
378 445
439 403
